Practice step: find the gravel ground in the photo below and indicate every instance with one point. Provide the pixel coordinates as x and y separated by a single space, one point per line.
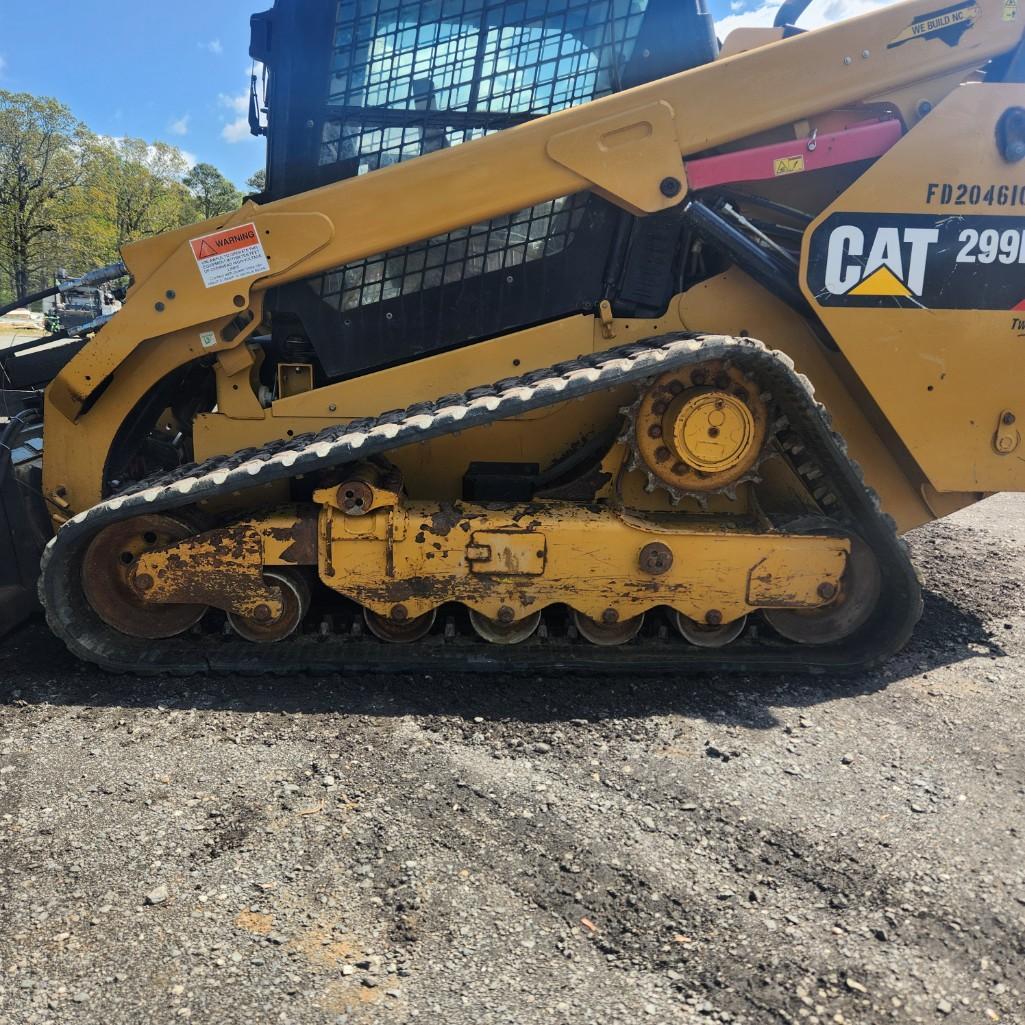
543 850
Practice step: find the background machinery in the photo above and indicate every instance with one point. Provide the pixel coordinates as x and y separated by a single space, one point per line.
561 337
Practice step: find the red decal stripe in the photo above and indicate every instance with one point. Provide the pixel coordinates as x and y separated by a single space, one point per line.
832 148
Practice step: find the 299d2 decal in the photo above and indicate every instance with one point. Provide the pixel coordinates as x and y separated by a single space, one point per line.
919 261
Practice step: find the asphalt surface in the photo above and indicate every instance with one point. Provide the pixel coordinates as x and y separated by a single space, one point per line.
473 850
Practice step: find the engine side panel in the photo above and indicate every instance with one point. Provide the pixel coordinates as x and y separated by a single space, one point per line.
918 272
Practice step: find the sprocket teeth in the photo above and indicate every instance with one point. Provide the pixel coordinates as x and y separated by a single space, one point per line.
675 494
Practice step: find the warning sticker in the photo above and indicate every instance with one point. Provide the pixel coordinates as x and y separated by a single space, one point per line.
1010 10
788 165
230 255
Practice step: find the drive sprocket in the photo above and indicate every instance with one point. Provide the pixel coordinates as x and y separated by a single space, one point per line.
698 430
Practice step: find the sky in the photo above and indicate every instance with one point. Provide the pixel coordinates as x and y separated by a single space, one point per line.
178 72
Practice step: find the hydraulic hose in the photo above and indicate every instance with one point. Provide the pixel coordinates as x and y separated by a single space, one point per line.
99 276
790 12
32 297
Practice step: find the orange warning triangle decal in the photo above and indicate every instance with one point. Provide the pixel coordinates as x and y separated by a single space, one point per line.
882 282
205 250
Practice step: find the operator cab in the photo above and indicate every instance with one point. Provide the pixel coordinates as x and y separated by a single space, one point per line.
357 85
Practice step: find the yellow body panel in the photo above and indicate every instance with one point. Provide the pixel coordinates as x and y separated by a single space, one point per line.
943 378
526 558
899 437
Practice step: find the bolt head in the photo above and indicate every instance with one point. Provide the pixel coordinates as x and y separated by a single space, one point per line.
826 590
669 187
713 617
143 582
610 616
506 614
680 469
1008 419
658 408
261 613
654 431
399 613
655 558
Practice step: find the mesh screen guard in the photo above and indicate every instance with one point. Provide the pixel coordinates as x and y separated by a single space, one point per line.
410 78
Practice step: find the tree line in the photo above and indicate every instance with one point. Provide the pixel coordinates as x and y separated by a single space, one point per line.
70 199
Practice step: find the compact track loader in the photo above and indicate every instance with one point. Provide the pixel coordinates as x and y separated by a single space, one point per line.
561 338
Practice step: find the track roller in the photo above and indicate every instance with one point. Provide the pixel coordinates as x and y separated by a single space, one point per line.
607 634
496 632
397 629
295 594
703 636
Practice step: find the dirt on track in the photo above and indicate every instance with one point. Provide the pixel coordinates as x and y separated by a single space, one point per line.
481 850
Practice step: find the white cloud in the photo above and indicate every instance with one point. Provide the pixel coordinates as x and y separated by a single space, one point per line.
214 47
819 13
239 104
181 126
236 131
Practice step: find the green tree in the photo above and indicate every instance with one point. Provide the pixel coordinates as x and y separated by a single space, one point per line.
212 191
142 186
71 199
42 150
257 181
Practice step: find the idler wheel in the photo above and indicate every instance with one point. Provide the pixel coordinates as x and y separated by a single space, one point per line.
860 587
107 572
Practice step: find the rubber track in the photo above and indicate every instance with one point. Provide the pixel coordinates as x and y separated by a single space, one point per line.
854 505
